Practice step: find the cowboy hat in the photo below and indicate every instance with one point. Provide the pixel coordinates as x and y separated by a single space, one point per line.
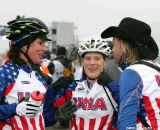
137 33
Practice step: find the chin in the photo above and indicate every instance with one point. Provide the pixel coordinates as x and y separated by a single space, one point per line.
38 62
92 77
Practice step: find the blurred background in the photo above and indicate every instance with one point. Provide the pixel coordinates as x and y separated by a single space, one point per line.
70 21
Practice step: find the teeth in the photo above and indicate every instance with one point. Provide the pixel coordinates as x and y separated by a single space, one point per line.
41 55
92 69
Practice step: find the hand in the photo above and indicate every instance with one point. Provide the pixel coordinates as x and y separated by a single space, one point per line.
62 82
27 108
64 112
104 78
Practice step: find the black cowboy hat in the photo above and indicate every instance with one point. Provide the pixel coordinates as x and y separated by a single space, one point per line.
137 33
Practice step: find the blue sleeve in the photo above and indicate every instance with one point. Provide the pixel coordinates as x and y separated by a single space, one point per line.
50 97
7 111
114 89
130 94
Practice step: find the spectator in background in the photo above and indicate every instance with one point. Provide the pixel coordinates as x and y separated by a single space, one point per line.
61 69
46 58
58 64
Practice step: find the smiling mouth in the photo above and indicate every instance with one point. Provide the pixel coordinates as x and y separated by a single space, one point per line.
92 69
41 56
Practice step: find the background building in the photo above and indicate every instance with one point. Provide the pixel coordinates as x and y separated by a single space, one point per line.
62 34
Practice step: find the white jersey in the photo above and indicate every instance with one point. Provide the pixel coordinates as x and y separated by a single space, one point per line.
150 94
95 111
58 71
19 84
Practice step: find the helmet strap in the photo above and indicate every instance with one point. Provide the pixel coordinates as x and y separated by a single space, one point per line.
26 55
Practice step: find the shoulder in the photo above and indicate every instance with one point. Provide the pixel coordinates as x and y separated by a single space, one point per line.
8 74
129 81
8 68
129 73
41 79
129 77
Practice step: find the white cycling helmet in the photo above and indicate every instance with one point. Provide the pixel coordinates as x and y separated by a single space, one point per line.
95 45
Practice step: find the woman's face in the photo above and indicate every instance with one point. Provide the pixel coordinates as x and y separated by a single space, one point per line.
93 64
37 50
117 50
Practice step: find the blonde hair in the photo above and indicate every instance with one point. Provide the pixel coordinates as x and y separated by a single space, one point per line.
130 52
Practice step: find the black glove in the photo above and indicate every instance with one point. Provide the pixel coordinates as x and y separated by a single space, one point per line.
62 82
104 78
64 112
48 79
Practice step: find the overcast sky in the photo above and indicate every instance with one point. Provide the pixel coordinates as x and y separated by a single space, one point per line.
90 16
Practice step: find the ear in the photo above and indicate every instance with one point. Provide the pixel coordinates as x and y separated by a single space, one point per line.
24 48
106 60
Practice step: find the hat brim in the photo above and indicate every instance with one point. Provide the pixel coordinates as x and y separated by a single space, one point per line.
150 52
117 32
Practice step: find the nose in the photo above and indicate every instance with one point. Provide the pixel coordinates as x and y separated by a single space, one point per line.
92 61
44 48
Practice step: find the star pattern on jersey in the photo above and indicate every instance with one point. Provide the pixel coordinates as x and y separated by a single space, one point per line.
9 72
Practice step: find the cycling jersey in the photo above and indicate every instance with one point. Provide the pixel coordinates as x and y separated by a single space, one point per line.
62 67
58 70
16 82
94 108
139 92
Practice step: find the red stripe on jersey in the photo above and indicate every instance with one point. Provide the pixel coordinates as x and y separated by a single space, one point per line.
158 102
8 89
15 123
81 123
2 124
63 99
33 123
110 124
24 123
140 123
103 122
92 124
41 125
73 124
68 95
150 112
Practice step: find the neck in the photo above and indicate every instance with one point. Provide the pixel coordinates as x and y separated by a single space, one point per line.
91 82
